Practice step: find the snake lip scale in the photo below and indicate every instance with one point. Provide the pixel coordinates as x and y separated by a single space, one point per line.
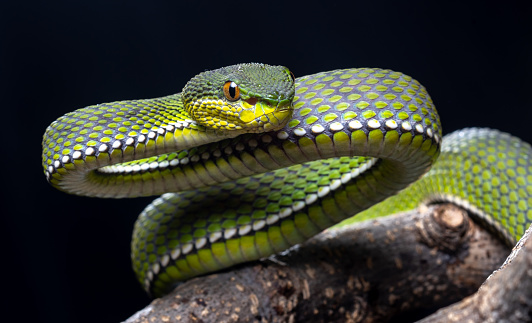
251 161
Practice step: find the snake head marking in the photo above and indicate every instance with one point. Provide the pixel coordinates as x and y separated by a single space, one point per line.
241 98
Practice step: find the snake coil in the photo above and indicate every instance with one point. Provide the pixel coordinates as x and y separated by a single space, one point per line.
257 161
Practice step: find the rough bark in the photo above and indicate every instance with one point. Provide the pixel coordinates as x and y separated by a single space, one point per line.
506 296
399 267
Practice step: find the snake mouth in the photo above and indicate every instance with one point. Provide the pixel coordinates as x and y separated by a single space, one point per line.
266 114
286 104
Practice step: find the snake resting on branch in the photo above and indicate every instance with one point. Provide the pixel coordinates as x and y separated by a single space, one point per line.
251 161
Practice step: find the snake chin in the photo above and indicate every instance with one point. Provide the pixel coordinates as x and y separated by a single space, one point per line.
271 121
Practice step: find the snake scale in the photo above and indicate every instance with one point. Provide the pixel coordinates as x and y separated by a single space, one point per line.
251 161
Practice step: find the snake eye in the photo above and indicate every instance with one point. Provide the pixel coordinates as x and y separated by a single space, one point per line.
231 91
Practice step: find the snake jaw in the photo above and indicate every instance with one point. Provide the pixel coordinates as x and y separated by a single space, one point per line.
265 116
250 115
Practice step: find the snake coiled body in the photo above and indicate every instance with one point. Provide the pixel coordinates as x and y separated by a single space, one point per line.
262 162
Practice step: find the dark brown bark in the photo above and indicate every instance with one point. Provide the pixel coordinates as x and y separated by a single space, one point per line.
505 297
400 267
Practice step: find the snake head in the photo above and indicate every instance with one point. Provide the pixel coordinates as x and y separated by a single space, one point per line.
242 98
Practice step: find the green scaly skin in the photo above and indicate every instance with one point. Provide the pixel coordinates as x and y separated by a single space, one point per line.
226 213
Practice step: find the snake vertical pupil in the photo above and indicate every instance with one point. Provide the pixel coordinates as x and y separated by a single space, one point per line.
231 91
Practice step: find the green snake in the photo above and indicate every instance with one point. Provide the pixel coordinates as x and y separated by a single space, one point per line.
257 161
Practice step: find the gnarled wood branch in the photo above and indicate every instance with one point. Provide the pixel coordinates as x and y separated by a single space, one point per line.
506 296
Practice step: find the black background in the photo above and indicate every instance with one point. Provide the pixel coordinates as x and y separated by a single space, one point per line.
67 257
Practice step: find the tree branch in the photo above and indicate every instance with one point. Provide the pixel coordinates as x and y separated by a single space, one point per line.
506 296
411 263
